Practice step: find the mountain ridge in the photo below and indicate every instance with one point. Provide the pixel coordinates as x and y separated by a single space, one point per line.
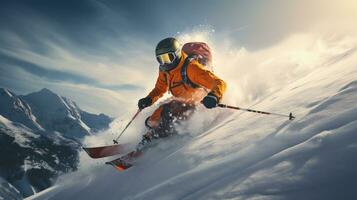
46 110
40 138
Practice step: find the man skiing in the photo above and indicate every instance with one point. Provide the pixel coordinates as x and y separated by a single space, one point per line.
188 80
184 72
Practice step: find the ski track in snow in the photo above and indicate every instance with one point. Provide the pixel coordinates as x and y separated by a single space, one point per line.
246 155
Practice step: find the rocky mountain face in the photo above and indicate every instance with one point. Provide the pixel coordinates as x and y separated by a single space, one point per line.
15 109
40 136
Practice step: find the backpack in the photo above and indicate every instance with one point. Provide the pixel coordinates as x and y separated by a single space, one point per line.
199 51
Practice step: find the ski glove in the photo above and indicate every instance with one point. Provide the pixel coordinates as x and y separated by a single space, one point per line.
210 101
144 102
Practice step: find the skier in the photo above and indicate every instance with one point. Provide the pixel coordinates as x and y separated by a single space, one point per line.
188 80
184 72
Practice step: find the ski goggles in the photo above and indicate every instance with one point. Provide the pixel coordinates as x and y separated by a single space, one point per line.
167 58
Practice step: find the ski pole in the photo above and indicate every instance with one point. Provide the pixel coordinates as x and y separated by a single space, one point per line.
291 117
132 119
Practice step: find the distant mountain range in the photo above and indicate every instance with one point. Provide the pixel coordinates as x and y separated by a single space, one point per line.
40 135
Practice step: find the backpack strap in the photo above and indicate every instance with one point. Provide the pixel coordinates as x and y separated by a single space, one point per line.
184 75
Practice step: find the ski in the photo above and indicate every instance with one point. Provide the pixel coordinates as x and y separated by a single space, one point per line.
105 151
125 162
119 164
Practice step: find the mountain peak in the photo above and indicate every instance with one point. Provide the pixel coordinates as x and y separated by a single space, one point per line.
46 91
45 95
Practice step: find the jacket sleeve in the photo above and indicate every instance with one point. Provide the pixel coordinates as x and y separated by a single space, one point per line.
205 78
160 89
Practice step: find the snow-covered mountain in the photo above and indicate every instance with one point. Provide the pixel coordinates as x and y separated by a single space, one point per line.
45 110
245 155
17 110
56 113
31 160
40 135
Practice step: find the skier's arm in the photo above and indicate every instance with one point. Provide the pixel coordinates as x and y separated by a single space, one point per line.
160 89
205 78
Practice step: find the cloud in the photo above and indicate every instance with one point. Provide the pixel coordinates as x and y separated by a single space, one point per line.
56 75
90 98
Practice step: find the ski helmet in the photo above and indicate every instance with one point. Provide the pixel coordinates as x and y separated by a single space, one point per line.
168 53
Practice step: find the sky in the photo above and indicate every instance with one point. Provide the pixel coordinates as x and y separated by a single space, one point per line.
100 53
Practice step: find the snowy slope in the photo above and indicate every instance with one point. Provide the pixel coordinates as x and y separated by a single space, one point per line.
245 155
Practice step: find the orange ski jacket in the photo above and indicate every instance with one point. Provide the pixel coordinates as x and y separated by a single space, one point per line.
172 81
